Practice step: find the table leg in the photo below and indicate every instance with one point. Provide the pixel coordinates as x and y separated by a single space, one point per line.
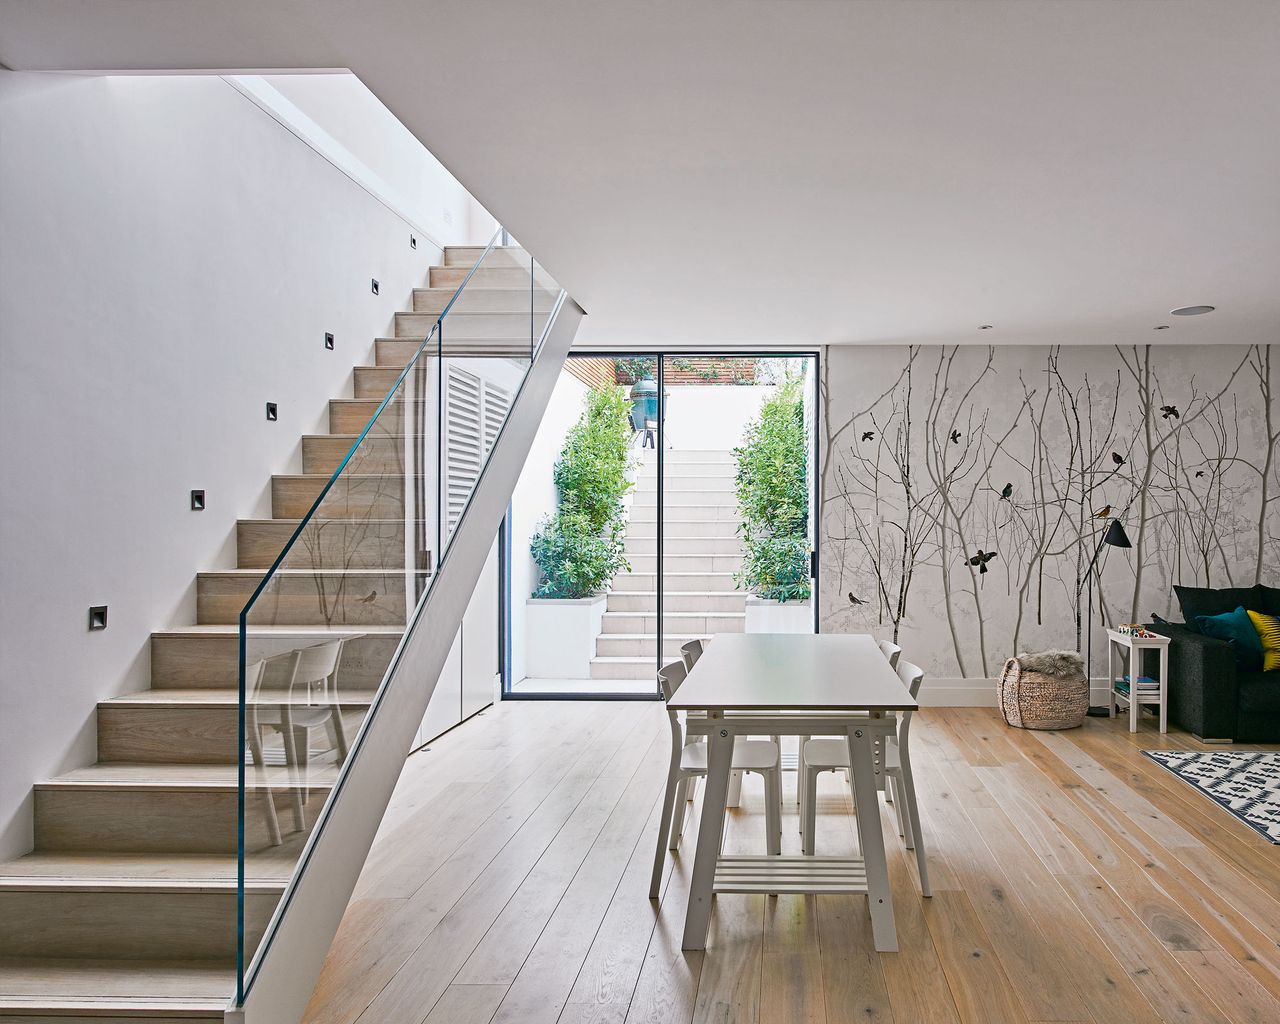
1135 670
710 829
879 897
1164 688
1111 675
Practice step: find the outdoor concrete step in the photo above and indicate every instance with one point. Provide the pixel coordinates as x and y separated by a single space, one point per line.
702 510
378 453
498 256
461 325
694 623
623 668
683 470
709 582
496 277
484 300
352 495
714 546
352 544
208 657
638 645
684 563
721 487
304 597
672 456
677 601
674 528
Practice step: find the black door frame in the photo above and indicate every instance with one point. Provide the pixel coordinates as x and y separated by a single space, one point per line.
662 355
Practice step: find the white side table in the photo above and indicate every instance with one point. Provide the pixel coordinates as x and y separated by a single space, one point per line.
1135 645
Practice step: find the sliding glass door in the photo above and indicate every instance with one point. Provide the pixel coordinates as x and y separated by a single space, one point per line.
667 498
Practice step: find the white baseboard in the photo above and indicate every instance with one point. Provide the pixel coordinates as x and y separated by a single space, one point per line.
958 692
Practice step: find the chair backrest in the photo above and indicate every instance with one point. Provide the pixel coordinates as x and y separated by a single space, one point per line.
669 678
912 677
891 652
690 653
318 662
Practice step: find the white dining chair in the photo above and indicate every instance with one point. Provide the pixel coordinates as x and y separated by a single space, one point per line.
689 761
891 652
690 653
826 755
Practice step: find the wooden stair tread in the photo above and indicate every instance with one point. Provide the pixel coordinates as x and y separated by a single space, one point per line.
60 985
268 871
176 777
218 698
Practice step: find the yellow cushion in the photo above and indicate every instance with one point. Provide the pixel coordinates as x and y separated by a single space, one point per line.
1268 627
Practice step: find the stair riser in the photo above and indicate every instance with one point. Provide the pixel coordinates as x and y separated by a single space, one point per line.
34 1013
158 820
685 470
485 277
321 545
499 256
136 923
683 547
672 562
351 417
395 354
623 670
677 603
694 625
516 299
635 647
675 497
350 497
689 511
721 487
629 583
143 734
365 599
481 326
197 662
684 530
376 454
374 381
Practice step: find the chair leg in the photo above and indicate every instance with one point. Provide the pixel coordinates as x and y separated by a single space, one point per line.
734 798
902 824
904 819
679 811
290 739
269 803
773 809
801 741
809 812
670 807
908 789
339 734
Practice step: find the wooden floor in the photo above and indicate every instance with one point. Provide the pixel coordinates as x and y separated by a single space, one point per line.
1074 880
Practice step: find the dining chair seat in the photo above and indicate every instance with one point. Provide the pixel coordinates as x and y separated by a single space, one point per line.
748 756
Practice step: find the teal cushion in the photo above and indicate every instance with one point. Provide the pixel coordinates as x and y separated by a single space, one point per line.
1237 629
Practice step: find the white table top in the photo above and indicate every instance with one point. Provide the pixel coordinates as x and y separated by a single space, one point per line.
1127 638
792 671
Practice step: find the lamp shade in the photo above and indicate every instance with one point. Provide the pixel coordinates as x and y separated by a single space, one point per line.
1115 536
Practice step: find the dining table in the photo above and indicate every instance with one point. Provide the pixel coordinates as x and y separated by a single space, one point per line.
792 684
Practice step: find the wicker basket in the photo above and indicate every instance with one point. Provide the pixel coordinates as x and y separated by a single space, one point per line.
1044 691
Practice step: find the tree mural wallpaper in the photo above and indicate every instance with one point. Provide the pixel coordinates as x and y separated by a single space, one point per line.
965 489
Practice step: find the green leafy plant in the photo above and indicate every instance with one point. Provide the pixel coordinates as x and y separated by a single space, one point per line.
773 499
634 368
580 548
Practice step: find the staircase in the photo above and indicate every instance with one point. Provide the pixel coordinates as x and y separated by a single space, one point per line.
702 554
126 910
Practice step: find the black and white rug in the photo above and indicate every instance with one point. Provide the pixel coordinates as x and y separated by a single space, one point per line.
1246 783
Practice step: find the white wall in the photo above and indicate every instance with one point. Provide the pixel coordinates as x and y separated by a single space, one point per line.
170 258
535 498
712 418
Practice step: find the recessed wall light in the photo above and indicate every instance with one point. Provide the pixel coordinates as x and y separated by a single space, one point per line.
1190 310
197 501
985 327
1161 327
273 412
97 618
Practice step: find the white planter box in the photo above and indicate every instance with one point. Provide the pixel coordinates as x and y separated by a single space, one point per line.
560 636
771 617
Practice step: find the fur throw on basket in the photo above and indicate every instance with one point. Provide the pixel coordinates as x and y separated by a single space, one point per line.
1044 691
1059 664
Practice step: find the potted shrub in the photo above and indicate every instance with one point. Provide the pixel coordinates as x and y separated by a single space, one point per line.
773 499
580 548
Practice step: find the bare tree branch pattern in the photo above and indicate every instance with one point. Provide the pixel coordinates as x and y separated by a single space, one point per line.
965 490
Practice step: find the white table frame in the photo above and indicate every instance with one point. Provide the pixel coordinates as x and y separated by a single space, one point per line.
869 873
1135 645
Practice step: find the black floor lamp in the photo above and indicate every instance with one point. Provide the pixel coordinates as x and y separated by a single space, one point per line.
1114 536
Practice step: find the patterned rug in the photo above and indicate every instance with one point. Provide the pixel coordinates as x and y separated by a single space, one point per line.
1245 783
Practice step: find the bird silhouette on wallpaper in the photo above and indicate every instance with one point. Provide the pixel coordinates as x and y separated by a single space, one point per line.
981 559
1117 458
955 436
1005 495
1103 513
855 600
1199 472
1167 411
373 596
868 435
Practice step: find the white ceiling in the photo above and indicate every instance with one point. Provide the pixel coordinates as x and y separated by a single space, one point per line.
808 172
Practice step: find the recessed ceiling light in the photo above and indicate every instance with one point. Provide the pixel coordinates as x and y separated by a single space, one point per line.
1190 310
1161 327
985 327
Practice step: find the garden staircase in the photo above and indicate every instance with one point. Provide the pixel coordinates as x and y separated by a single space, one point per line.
703 552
